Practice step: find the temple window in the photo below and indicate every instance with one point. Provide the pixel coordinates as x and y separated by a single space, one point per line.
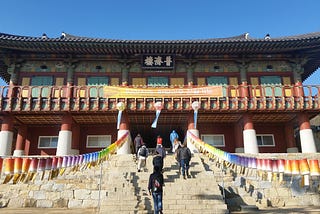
217 80
41 81
158 81
98 80
47 142
94 83
272 85
213 140
265 140
98 141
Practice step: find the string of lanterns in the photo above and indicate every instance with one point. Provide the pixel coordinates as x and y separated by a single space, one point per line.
266 168
25 169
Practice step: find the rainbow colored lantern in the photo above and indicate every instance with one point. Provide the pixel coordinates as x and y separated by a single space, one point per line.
48 163
34 165
60 161
17 165
42 164
54 163
64 162
281 164
274 164
287 167
295 167
26 165
69 162
8 166
304 167
314 167
259 164
252 163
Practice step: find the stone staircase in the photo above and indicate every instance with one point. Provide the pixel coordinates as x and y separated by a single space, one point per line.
249 193
126 189
115 186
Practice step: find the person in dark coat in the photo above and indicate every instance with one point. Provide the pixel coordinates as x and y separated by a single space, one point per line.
156 193
158 161
138 142
184 157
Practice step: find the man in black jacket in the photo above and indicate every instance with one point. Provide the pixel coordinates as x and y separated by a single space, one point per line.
184 157
155 187
158 161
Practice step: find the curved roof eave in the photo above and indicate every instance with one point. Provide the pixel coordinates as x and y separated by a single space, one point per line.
239 44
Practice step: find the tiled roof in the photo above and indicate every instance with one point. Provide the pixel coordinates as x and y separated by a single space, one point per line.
305 44
84 45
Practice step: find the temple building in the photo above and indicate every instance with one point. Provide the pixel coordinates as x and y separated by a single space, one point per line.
74 95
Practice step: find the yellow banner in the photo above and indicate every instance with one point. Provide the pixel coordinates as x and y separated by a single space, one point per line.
126 92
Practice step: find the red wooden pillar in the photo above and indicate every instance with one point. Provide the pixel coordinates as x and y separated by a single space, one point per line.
194 131
65 136
306 135
6 135
289 135
123 130
249 135
238 132
20 142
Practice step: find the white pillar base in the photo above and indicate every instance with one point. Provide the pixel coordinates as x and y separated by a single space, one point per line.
192 148
18 153
292 150
307 141
64 143
125 148
6 143
250 141
239 150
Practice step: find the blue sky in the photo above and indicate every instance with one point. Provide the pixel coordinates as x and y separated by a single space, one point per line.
163 19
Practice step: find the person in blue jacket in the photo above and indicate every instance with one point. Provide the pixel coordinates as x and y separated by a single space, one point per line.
173 136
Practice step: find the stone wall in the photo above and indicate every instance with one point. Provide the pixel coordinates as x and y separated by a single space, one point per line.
250 187
79 189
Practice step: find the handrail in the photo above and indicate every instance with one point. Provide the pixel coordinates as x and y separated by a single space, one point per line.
235 97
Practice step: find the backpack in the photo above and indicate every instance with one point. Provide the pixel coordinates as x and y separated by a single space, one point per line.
156 184
158 161
143 151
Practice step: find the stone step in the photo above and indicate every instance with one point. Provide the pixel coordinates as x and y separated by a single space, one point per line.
198 193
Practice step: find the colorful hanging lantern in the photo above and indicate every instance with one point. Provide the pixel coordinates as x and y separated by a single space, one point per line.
26 165
158 106
281 168
195 106
304 167
121 107
295 167
42 167
54 166
33 169
314 167
60 160
305 171
17 169
287 167
25 168
8 169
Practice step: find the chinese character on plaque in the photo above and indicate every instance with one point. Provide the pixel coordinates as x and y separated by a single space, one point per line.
157 61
